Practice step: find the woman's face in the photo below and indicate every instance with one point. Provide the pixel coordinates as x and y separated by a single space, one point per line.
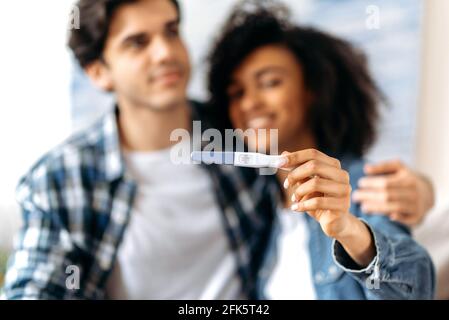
267 92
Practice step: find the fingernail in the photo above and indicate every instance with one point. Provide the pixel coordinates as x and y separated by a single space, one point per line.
286 184
293 198
295 207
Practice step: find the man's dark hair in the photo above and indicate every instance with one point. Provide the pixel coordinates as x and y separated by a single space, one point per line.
343 114
87 42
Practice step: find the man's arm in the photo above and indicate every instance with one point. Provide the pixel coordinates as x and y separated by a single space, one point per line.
37 266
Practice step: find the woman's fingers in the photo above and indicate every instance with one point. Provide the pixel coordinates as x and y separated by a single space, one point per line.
321 185
318 182
313 168
317 168
297 158
320 203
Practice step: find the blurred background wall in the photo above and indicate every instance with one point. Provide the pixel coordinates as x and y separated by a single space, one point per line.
35 76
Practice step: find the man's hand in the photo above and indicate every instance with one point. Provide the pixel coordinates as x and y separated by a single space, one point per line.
393 189
321 188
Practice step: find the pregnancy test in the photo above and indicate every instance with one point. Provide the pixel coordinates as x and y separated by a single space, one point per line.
239 159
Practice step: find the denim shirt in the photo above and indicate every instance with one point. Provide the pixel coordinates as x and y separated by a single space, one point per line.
401 269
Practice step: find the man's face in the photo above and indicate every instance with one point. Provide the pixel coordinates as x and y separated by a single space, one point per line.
146 62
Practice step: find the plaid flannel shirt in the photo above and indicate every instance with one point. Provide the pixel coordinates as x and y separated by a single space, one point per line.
76 203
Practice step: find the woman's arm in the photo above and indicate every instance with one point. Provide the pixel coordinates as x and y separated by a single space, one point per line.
378 253
323 190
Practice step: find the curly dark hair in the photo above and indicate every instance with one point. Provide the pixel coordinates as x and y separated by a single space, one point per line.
344 113
87 42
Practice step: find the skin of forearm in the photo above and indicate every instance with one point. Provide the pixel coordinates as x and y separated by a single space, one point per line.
358 242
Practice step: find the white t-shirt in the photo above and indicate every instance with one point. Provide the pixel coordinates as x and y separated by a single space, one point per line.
175 246
292 277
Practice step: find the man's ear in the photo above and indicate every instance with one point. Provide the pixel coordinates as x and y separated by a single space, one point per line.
99 74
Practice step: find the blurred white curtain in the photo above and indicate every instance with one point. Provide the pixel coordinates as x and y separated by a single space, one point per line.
432 155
